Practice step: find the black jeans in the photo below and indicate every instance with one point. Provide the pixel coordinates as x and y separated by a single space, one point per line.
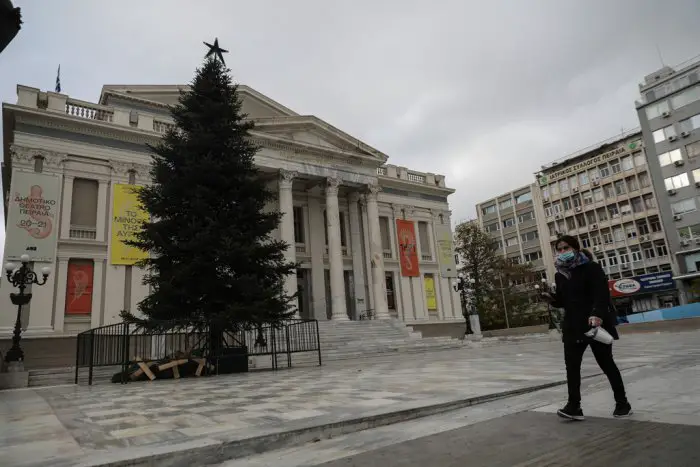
573 354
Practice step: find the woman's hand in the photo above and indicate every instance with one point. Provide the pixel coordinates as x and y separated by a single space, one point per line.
594 321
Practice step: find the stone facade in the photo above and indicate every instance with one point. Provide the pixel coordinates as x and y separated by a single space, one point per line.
339 197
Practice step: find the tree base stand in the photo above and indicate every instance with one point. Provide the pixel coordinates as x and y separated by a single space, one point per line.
14 376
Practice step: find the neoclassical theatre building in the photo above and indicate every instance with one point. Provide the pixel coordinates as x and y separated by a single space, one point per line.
370 237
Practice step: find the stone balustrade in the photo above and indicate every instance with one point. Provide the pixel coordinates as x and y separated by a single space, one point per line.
157 123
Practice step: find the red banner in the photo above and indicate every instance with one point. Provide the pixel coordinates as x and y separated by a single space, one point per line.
79 288
408 248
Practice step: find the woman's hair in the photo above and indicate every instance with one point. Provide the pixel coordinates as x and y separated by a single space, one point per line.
588 254
569 240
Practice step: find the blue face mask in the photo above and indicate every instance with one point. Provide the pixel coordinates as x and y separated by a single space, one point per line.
566 257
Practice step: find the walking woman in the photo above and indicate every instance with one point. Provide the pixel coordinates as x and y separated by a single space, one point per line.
582 290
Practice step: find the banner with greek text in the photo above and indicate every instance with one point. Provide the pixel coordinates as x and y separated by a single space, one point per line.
32 216
445 250
430 297
127 217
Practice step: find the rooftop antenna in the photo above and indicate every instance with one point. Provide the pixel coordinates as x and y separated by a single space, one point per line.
661 58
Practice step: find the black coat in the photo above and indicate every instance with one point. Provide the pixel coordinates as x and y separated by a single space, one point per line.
582 295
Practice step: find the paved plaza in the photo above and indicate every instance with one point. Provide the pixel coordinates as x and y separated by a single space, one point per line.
207 420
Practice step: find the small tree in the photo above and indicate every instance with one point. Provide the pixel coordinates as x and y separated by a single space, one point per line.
213 259
496 290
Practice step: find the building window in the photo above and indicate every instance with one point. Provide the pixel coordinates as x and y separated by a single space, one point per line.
523 197
644 180
625 208
655 224
649 201
570 224
534 256
607 237
590 216
298 213
612 258
636 254
552 228
424 239
620 187
587 197
598 194
604 170
564 186
630 231
83 214
637 205
545 192
512 241
686 97
614 211
586 242
554 189
529 236
693 149
505 204
619 234
384 233
692 231
677 181
573 182
649 253
624 257
683 206
594 175
657 109
642 228
639 159
602 214
390 294
670 157
609 191
492 227
615 167
489 209
627 163
661 250
664 133
510 222
526 216
632 184
583 178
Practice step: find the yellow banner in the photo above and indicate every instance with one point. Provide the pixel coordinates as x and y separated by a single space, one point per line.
127 217
430 298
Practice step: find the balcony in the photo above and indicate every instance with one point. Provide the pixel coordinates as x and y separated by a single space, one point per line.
387 254
426 258
81 232
300 248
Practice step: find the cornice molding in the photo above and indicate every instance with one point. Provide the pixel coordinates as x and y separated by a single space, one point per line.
25 156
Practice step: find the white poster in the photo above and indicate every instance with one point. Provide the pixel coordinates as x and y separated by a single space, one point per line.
32 217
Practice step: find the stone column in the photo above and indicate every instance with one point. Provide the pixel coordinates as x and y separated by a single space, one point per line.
381 310
102 210
358 267
66 206
286 206
335 254
60 304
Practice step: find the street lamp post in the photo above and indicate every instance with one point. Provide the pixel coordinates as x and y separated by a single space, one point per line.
546 288
21 277
465 287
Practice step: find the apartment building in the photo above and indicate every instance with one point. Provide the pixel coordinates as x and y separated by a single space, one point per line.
669 114
603 195
511 220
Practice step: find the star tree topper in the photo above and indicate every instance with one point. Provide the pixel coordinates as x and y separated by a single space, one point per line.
216 51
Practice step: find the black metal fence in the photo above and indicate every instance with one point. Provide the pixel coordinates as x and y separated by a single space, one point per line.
125 344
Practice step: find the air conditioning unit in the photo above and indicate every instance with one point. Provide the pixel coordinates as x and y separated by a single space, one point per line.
672 138
644 238
697 184
594 226
666 114
677 217
575 189
557 216
578 209
625 266
671 192
685 242
596 182
685 134
596 249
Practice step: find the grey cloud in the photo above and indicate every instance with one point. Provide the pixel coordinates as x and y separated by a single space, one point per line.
484 92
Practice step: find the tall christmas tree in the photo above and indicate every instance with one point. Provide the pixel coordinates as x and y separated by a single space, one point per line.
213 259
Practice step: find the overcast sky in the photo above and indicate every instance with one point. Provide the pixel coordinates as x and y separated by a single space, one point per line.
483 92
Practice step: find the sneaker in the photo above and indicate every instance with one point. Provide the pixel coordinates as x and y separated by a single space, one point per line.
622 409
571 412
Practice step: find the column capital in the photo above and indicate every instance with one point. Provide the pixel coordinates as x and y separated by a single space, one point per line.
332 185
373 192
286 177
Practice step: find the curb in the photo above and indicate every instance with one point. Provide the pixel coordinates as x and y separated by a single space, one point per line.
211 452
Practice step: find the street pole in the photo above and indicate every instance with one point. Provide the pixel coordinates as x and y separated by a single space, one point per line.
503 297
21 277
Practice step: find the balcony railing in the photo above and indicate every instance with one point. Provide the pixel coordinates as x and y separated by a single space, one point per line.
426 257
82 232
387 254
87 110
301 248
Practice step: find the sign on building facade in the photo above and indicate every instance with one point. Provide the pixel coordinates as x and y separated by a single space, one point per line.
430 296
32 216
647 283
408 248
445 250
79 287
127 217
